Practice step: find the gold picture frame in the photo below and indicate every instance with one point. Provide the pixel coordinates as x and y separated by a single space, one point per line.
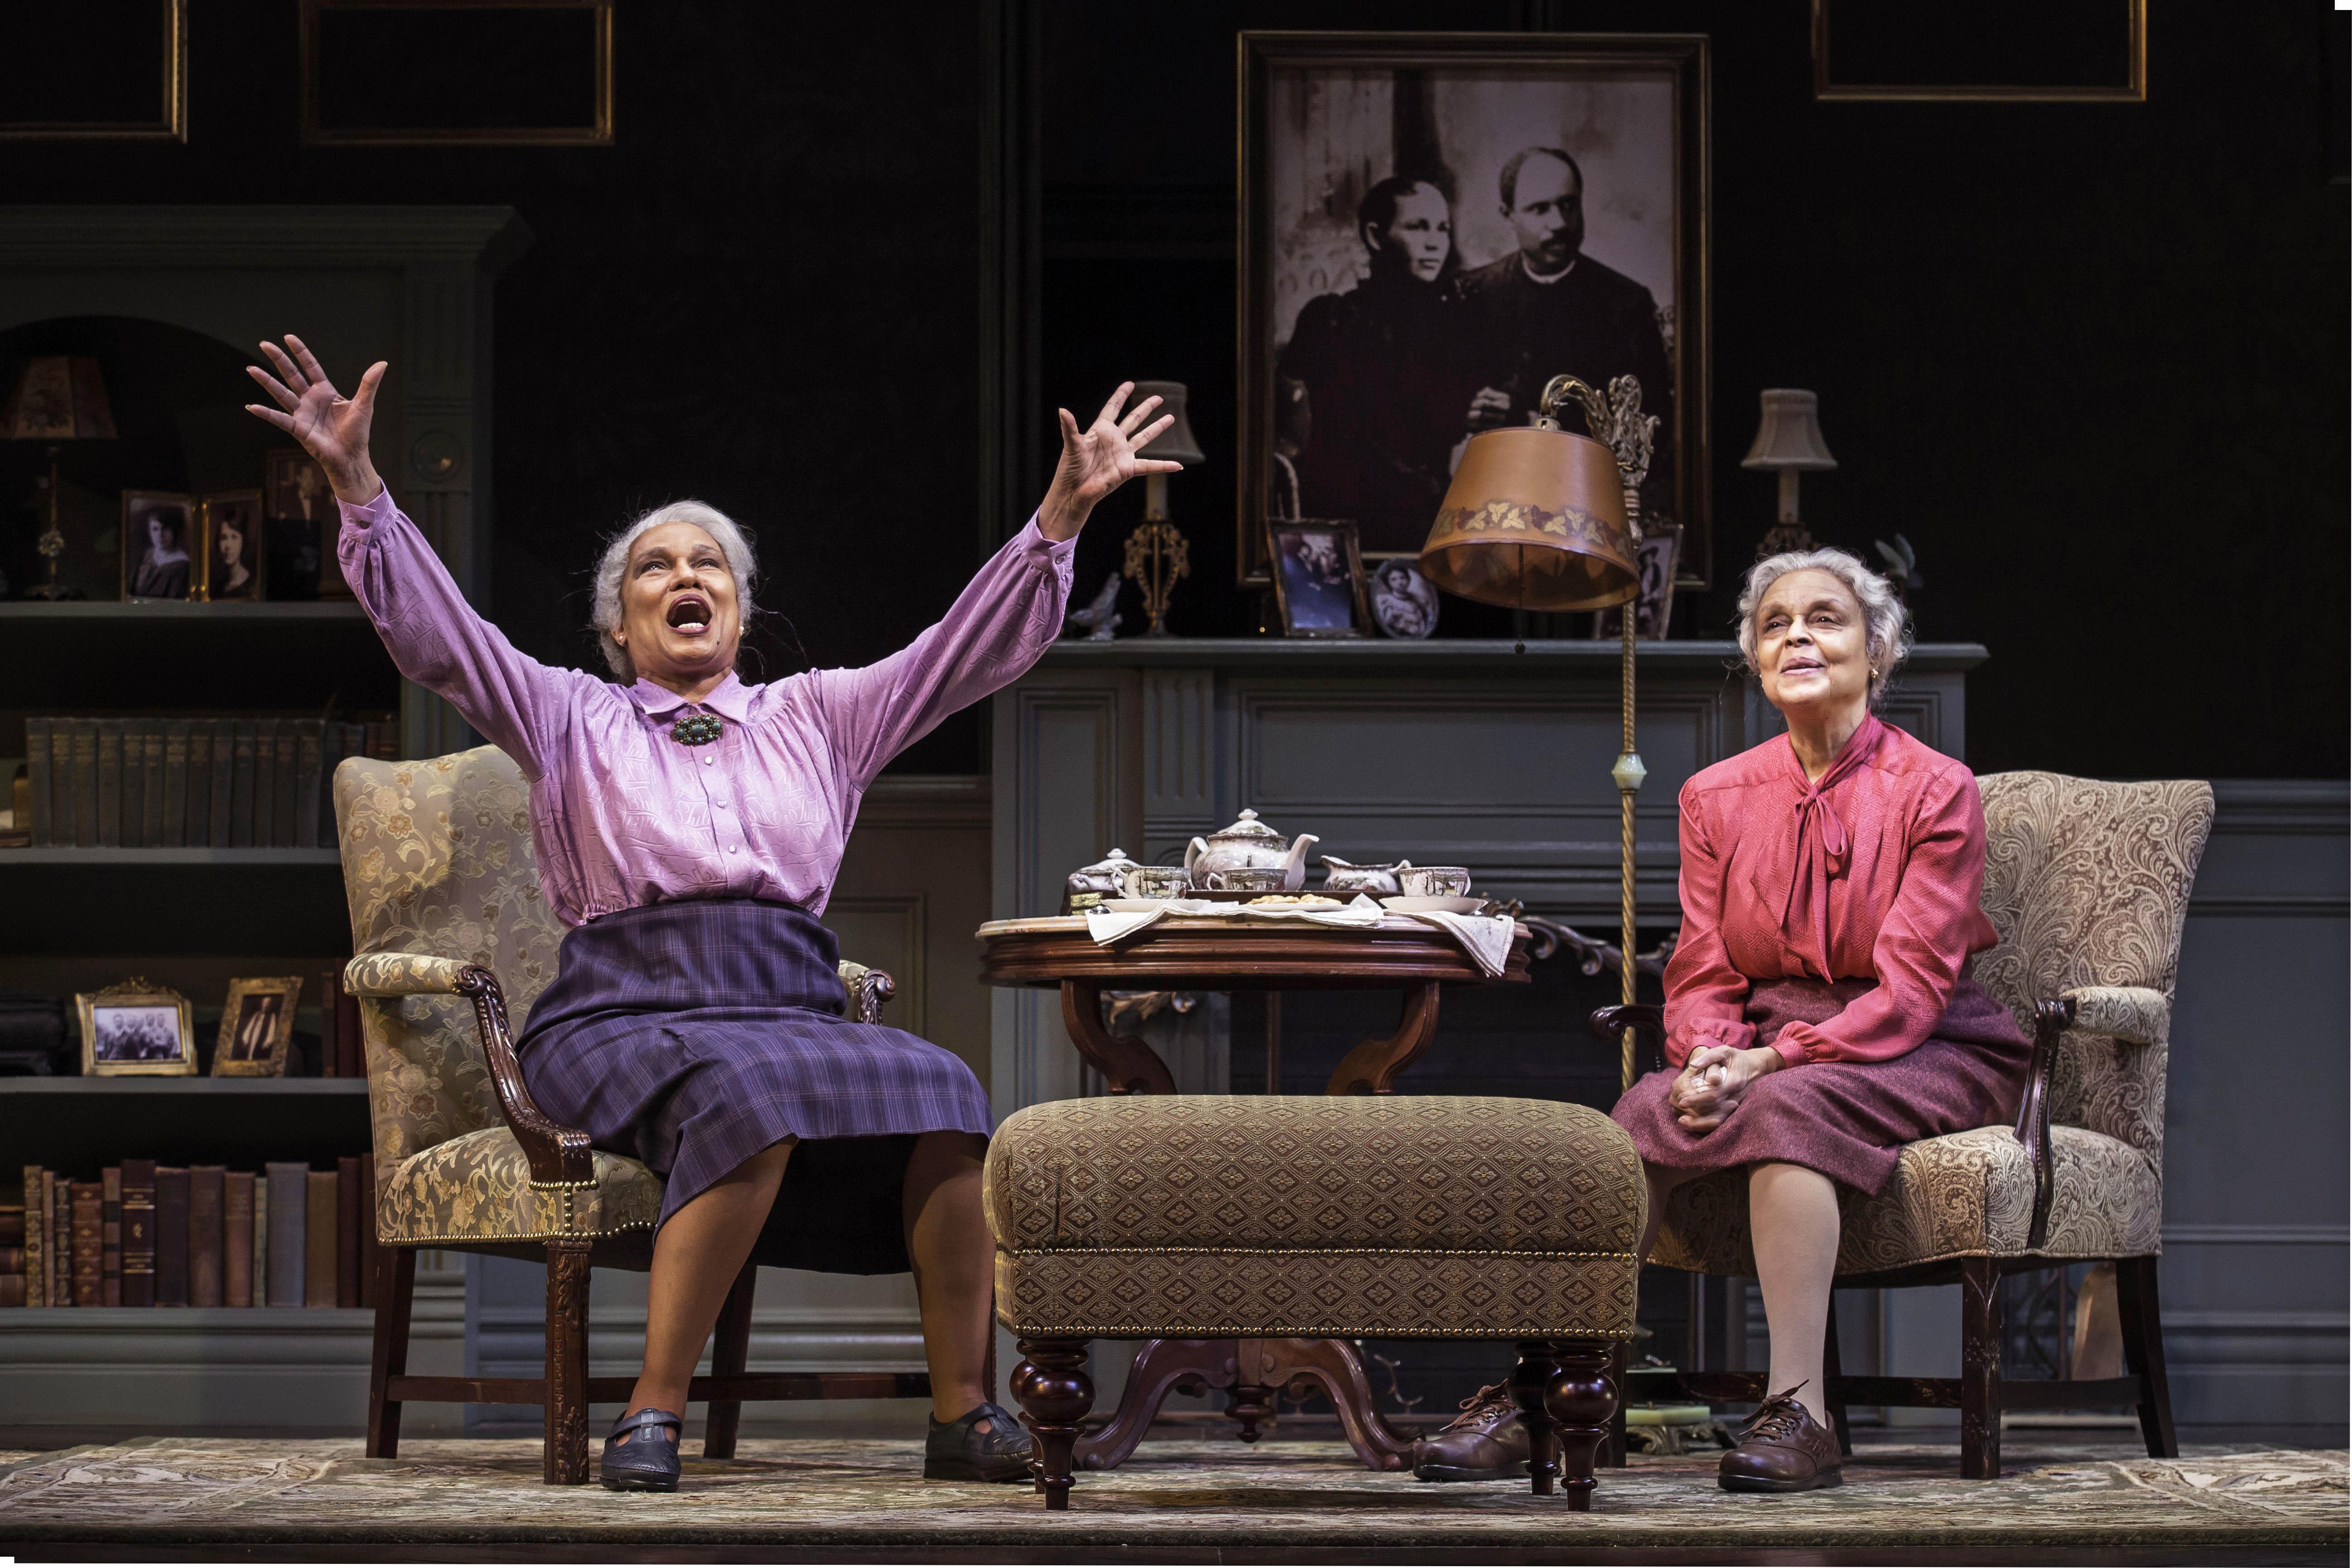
234 518
170 125
257 1027
2132 89
149 563
1302 554
136 1029
599 133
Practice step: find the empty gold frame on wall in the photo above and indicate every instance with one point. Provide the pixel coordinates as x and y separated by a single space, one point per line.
2132 89
170 123
597 132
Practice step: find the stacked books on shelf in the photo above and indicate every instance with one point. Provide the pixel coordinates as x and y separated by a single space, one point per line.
223 783
146 1235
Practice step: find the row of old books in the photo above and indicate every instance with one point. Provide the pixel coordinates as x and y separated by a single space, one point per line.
147 783
146 1235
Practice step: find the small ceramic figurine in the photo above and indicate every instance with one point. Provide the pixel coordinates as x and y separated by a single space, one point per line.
1249 842
1341 877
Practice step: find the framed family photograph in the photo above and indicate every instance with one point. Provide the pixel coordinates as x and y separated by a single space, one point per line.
160 555
295 494
234 552
1432 227
137 1029
257 1027
1318 580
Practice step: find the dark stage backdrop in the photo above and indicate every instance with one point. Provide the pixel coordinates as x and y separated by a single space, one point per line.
2090 359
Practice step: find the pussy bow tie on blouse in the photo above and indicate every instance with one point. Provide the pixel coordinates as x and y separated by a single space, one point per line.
1813 845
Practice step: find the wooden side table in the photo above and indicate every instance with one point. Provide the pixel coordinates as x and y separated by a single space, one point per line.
1205 954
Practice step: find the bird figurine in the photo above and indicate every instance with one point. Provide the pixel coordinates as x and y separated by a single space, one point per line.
1903 565
1099 618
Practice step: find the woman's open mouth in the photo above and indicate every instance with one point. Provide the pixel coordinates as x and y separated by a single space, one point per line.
690 615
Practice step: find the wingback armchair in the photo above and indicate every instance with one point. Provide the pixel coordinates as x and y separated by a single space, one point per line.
451 933
2087 884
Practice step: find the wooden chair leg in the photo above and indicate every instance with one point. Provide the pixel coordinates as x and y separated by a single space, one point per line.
2144 1352
565 1456
1531 1385
730 1356
1833 1382
395 1293
1056 1394
1980 1370
1612 1452
1581 1399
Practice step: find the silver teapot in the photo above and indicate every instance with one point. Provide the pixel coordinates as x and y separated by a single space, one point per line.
1249 843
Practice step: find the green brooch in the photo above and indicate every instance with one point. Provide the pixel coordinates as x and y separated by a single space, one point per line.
697 729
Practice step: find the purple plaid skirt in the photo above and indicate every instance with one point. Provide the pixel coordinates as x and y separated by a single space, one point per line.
1849 1120
693 1035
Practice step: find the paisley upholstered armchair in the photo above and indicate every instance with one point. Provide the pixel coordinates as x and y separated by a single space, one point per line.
450 934
2087 884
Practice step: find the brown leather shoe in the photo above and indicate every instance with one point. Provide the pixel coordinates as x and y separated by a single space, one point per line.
1782 1449
1486 1442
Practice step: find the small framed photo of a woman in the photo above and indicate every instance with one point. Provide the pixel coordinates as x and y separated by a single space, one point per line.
257 1027
234 552
1318 579
159 545
137 1029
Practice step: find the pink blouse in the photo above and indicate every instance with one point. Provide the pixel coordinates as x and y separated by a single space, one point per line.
622 815
1874 873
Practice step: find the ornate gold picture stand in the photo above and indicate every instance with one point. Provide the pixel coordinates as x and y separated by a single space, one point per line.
136 1028
257 1027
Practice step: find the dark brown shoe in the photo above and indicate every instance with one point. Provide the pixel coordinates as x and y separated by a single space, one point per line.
1486 1442
1782 1449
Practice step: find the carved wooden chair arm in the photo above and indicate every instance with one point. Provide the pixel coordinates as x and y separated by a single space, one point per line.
869 990
1647 1022
2052 1017
558 1155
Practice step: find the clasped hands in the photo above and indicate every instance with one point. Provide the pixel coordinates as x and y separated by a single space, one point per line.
1714 1080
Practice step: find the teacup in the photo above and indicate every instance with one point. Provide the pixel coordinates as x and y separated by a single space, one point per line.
1433 882
1155 882
1250 879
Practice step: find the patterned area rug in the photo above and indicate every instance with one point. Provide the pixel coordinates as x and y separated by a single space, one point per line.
1174 1497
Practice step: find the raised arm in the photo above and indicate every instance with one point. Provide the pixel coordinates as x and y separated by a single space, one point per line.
1004 619
434 635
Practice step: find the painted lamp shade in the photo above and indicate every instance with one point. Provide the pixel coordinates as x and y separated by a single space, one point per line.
1535 519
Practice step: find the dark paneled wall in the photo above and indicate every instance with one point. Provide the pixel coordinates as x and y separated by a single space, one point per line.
2090 359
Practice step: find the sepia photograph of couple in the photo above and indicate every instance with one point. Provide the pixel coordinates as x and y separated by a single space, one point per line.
1435 226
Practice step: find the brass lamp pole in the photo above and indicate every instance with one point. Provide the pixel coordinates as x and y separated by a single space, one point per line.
1540 518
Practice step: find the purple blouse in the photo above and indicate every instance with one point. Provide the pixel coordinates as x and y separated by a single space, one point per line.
624 815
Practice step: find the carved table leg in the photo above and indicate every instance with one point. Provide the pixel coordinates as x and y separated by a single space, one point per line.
1335 1364
1128 1065
1054 1392
1372 1066
1160 1365
1581 1399
1530 1384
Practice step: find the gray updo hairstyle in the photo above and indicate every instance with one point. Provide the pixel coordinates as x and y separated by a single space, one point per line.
1886 640
733 543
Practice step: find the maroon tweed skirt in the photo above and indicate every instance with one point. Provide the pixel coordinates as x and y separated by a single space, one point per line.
1849 1120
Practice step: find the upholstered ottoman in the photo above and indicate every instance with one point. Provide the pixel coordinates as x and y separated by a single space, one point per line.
1215 1216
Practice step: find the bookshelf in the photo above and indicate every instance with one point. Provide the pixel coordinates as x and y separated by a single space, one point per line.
179 295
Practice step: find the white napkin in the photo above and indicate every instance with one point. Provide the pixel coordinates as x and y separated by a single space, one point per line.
1486 938
1107 926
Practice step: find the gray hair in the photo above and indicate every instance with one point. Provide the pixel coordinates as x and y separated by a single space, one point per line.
1886 641
733 543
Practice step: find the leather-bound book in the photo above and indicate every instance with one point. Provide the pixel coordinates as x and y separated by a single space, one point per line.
346 1232
151 800
177 735
137 1233
236 1238
110 784
240 798
197 808
319 1241
36 772
288 1195
134 782
85 780
57 1218
12 1290
309 736
282 790
171 1235
207 1246
89 1244
265 781
11 1224
12 1260
261 1241
36 1240
110 1187
224 782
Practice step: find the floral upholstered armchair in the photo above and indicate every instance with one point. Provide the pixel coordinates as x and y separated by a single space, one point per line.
2087 884
453 938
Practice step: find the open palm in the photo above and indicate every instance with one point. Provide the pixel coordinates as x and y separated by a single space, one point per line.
331 428
1099 458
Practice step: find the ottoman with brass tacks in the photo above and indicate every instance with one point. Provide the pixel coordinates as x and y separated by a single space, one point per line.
1214 1216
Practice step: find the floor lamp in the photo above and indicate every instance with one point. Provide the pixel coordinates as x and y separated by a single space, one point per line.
1540 519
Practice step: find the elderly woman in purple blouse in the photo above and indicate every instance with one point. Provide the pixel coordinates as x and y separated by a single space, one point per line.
688 827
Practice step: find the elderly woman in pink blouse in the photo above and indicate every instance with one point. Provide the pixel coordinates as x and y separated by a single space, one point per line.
688 827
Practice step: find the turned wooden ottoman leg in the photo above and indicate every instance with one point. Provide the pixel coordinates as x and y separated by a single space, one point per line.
1055 1393
1581 1398
1531 1385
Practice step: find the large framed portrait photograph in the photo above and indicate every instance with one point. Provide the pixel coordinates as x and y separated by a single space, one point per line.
1433 226
137 1029
257 1027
